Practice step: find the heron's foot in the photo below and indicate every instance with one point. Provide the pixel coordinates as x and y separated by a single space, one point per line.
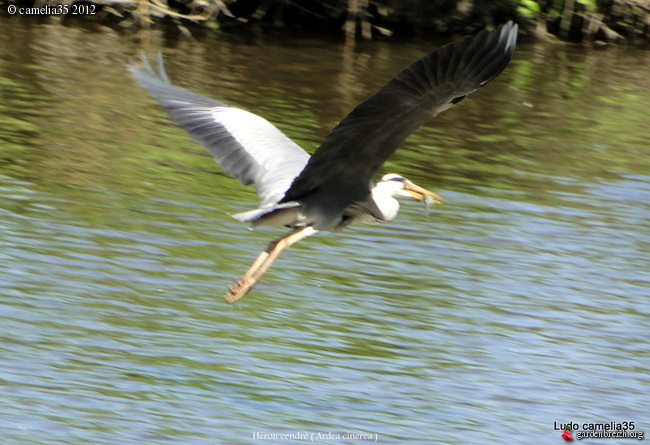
239 288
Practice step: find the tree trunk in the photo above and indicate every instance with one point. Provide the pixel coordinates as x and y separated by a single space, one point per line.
366 29
351 21
567 16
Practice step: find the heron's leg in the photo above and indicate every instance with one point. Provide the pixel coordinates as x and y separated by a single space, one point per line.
242 285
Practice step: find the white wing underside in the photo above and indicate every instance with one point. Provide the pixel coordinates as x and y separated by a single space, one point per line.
246 146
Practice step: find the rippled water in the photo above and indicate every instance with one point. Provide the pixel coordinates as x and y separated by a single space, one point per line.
520 302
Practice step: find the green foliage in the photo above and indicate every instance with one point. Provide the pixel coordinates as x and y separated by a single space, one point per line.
590 5
528 8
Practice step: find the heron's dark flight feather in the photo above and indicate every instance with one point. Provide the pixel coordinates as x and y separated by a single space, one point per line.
356 148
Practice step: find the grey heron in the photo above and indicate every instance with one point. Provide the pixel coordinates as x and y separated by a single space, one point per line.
334 187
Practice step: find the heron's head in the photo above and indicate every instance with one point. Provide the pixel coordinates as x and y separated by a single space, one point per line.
397 186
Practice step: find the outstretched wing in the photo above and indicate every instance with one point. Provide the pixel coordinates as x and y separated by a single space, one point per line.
246 146
353 151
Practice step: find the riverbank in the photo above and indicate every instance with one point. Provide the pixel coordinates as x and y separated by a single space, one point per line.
593 21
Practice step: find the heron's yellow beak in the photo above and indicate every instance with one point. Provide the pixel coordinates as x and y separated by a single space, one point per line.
421 194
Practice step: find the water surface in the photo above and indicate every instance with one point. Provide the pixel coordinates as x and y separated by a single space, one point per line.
520 302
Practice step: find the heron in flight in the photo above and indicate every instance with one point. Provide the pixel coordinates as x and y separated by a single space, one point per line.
335 186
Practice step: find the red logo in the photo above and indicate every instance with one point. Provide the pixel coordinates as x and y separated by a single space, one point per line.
566 435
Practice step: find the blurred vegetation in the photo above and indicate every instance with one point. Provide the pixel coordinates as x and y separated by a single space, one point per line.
575 20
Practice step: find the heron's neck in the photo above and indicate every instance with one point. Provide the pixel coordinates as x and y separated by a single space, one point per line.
385 205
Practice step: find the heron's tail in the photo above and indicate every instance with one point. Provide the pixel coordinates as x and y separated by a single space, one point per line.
285 214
